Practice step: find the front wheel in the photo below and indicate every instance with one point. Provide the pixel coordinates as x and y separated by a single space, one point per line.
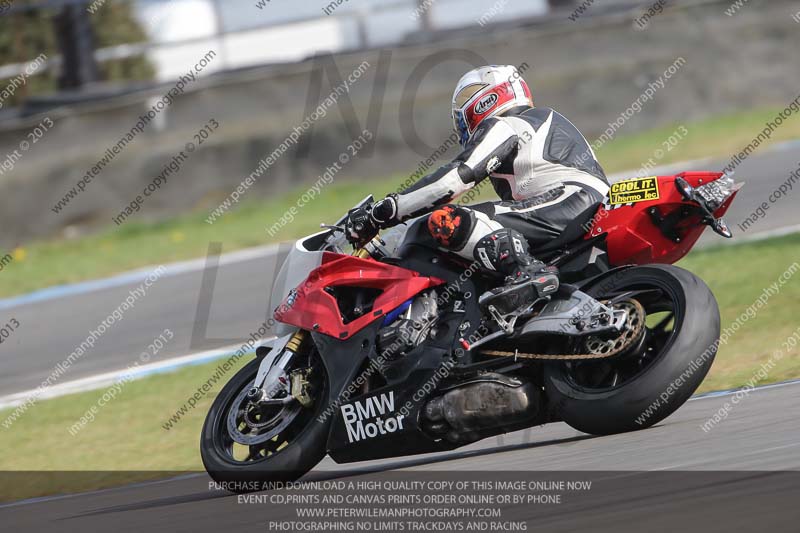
244 442
640 388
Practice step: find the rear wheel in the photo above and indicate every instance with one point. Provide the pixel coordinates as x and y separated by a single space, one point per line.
641 387
242 441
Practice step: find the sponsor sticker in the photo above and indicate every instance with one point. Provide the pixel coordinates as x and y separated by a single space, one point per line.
633 191
371 417
485 103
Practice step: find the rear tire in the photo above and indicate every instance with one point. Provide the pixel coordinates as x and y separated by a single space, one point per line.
670 376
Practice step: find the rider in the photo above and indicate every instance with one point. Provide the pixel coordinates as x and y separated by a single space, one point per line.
544 171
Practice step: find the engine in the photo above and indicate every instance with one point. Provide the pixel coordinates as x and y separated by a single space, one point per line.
474 409
409 326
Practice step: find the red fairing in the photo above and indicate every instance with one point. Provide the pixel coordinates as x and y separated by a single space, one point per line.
314 309
633 238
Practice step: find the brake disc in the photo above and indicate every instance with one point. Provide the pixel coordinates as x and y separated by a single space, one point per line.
260 427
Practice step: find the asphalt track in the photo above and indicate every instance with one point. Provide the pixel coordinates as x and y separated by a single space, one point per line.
742 475
52 328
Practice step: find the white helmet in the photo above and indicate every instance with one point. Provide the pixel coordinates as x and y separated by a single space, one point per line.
486 92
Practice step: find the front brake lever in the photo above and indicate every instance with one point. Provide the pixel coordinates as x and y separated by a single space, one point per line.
332 227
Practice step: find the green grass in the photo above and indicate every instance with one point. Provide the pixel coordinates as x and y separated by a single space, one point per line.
127 434
125 443
137 244
738 275
721 136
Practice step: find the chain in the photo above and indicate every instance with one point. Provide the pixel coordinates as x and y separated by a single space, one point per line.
548 356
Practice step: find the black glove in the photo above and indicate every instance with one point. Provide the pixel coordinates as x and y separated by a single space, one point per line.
384 213
361 227
363 223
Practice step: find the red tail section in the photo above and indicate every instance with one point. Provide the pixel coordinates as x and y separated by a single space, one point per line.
628 219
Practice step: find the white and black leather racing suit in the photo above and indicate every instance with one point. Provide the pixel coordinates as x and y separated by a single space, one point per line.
545 173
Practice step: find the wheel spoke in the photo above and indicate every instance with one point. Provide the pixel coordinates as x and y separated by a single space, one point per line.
658 305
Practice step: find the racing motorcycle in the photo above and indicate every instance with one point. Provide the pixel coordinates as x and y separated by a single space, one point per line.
389 351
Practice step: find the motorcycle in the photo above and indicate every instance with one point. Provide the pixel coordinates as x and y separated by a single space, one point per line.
390 351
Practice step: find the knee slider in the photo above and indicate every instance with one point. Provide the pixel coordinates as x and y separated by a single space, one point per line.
451 226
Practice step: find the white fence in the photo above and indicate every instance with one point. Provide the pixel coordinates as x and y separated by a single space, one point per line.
253 32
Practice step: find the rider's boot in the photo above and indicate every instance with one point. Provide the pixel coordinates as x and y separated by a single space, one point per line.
527 279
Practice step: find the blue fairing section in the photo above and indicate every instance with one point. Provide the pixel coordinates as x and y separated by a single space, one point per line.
392 316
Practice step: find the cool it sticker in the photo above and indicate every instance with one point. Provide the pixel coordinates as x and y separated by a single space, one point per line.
632 191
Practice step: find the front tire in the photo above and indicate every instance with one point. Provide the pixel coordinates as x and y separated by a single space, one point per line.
305 438
651 384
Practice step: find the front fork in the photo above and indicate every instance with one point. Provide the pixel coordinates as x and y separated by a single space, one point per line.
272 377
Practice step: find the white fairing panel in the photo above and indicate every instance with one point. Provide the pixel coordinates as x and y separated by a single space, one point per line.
298 265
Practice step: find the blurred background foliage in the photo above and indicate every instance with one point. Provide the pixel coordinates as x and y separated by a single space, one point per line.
24 35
